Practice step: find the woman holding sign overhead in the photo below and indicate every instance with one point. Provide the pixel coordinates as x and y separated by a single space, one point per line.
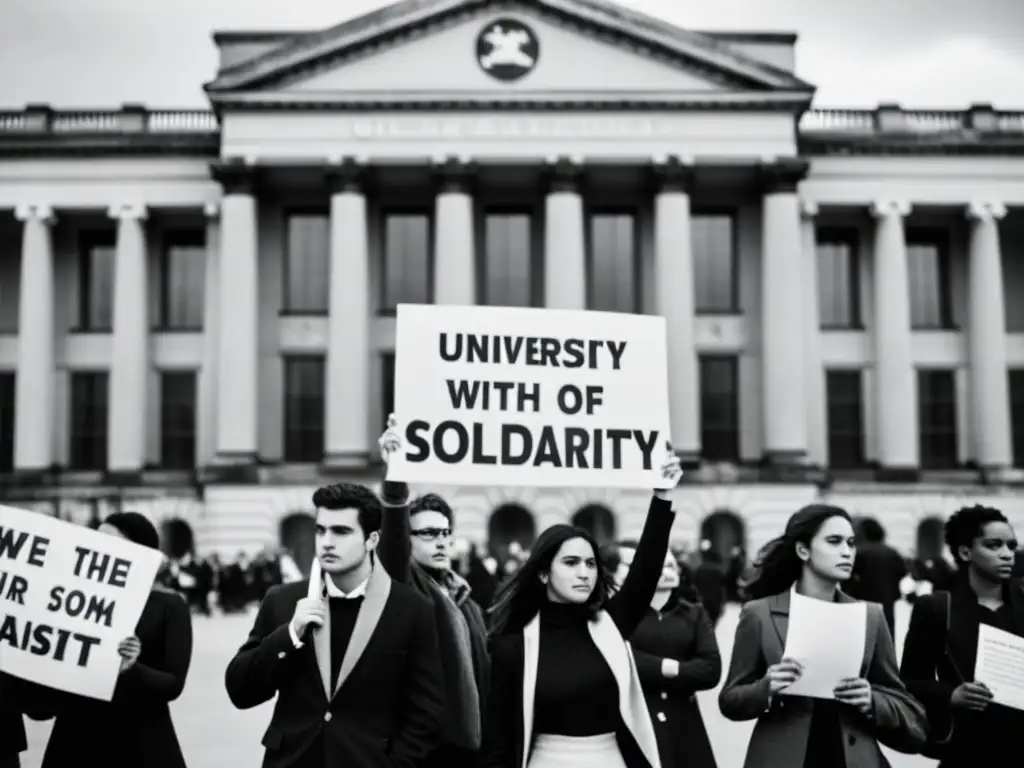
812 559
135 727
565 690
941 648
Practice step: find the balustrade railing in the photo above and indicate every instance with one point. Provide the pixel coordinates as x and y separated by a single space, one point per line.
41 119
886 119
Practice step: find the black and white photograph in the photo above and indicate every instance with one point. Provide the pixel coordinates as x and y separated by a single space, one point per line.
511 383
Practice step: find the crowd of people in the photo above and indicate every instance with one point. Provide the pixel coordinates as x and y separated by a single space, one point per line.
881 574
208 584
391 655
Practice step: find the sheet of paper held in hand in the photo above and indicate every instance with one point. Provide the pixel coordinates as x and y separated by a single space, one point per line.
828 641
1000 665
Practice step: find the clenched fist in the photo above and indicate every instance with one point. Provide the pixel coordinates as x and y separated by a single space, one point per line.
308 611
391 441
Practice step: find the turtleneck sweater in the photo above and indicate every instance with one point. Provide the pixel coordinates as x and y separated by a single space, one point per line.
576 692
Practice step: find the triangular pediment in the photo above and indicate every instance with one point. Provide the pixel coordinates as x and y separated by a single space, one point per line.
469 48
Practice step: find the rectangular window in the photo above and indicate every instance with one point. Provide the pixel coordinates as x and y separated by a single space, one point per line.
508 259
1017 415
178 419
714 263
183 280
387 384
304 388
838 279
936 397
307 264
89 404
719 408
928 273
845 403
97 252
407 259
613 267
7 379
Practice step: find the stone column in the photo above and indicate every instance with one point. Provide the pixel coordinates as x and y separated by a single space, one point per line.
895 378
814 372
347 436
454 238
674 300
782 318
986 330
238 324
565 263
129 356
206 426
34 397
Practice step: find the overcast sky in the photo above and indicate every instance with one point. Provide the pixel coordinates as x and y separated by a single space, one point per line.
922 53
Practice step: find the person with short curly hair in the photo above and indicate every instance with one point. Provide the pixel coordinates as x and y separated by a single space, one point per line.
940 649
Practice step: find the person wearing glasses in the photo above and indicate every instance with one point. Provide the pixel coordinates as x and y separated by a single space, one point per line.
416 548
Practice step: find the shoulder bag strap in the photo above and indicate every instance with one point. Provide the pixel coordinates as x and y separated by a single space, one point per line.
947 603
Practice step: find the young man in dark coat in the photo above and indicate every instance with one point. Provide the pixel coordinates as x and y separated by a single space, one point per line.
416 549
351 655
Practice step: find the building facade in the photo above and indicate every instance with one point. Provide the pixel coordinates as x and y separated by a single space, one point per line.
197 307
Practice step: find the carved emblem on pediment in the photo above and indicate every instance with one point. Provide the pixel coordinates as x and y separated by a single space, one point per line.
507 49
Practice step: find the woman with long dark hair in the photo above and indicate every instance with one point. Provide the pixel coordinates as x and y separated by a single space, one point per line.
941 646
676 656
135 727
565 691
814 557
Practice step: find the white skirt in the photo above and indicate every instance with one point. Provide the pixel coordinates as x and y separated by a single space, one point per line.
551 751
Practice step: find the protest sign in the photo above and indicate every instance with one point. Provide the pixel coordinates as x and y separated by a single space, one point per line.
534 397
68 596
999 664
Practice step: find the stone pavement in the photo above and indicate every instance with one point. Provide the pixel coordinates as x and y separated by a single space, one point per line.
214 734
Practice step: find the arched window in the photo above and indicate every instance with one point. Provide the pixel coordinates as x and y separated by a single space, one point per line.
931 538
176 538
510 523
724 530
598 520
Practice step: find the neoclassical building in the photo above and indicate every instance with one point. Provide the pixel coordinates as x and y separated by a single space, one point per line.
197 306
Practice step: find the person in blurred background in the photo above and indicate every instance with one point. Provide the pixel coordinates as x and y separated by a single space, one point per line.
878 570
709 579
676 656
